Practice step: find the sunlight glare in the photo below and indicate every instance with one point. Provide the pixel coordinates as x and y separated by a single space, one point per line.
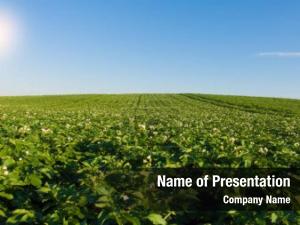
8 33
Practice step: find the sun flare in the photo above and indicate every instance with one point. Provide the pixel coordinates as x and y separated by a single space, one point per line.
8 32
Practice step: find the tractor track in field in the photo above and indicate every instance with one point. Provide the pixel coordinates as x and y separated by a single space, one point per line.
259 110
137 107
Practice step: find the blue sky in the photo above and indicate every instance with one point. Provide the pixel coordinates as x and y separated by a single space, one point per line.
224 47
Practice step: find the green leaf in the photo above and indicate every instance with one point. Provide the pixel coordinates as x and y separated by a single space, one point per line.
6 195
274 217
21 211
44 189
103 217
232 212
156 219
2 213
65 222
133 220
35 180
82 201
21 215
9 162
101 205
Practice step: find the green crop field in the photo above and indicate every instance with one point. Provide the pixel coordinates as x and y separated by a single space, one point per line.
54 151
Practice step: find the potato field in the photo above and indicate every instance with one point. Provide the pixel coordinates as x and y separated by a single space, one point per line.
56 151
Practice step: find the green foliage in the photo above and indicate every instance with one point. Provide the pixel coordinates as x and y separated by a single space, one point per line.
56 153
157 219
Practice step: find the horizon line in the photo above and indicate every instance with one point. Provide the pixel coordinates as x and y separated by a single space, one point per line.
145 93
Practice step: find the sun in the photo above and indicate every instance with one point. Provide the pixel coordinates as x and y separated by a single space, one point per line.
8 32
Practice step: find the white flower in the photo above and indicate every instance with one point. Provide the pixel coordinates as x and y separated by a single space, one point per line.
46 131
27 152
125 197
263 150
216 130
142 126
165 138
4 167
232 140
20 159
151 127
5 173
24 129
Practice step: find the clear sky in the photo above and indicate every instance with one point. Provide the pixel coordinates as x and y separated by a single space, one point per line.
249 47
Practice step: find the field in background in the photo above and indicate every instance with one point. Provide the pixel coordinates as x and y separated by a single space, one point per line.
53 149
